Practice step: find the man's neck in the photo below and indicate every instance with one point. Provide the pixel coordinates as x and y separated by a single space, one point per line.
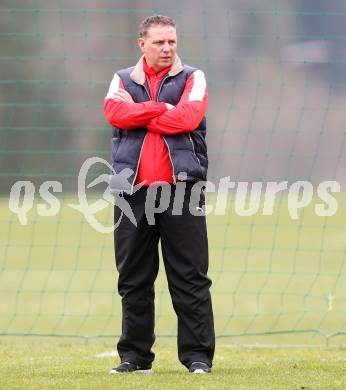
153 68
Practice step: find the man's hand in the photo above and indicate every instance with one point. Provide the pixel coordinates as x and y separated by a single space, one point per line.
123 96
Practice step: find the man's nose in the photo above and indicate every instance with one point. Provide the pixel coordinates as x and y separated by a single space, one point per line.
166 47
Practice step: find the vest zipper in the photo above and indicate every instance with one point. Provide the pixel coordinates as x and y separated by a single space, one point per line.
147 91
170 157
160 86
140 153
193 147
139 158
169 152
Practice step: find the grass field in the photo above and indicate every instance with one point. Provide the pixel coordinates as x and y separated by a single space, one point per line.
283 278
52 364
276 281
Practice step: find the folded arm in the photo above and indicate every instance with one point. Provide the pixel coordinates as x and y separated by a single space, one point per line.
188 113
121 111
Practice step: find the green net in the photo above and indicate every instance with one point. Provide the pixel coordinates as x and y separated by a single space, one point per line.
276 73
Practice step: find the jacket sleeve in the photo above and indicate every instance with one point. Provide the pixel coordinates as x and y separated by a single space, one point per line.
129 115
188 113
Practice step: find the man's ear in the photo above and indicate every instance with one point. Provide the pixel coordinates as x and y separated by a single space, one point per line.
141 44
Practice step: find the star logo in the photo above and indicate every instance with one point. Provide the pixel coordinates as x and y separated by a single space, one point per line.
118 183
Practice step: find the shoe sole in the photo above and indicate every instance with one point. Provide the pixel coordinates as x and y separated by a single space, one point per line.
198 371
146 372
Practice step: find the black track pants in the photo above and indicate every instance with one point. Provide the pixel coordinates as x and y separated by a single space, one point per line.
185 254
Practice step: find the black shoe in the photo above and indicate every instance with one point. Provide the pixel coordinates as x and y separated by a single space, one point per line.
199 368
130 367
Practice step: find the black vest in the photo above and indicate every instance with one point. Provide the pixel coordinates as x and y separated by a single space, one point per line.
188 151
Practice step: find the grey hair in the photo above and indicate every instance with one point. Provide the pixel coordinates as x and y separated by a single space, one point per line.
154 20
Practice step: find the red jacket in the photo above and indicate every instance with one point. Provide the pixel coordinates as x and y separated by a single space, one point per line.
155 164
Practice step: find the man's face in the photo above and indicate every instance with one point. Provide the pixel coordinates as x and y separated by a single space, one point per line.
159 46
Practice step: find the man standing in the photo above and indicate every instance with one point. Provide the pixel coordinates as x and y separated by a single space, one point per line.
157 110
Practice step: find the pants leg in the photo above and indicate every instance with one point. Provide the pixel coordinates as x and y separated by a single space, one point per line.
185 253
137 261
